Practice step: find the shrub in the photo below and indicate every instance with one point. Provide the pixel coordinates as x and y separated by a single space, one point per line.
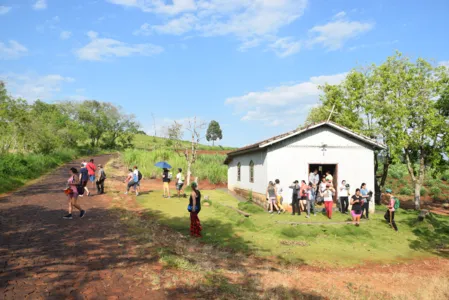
405 191
435 192
445 175
397 171
423 191
250 196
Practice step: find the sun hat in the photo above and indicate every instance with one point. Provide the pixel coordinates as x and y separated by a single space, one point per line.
389 191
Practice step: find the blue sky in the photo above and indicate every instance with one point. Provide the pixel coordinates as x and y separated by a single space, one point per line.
252 65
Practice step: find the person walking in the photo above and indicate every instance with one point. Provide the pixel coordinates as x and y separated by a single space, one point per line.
310 199
365 195
179 182
344 197
303 195
91 169
129 180
356 210
389 215
272 195
279 198
73 193
194 208
295 197
166 183
101 179
328 199
84 178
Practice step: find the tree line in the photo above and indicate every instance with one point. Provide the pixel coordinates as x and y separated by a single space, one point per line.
41 127
401 103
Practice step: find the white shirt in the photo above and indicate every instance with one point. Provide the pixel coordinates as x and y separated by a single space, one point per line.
327 195
344 191
279 189
322 186
178 177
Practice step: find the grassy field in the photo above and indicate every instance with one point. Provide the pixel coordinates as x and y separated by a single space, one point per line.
142 141
314 244
208 166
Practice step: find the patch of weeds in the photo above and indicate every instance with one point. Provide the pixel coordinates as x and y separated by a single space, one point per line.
250 207
218 286
207 201
172 260
405 191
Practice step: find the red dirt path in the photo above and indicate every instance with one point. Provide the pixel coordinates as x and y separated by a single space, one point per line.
43 256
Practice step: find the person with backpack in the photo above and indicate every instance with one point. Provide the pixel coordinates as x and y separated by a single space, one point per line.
366 198
393 206
100 180
295 197
73 191
129 180
179 182
356 209
166 183
137 176
91 168
84 178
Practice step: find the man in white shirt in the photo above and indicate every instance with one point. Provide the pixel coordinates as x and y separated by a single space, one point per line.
314 178
279 199
344 197
179 182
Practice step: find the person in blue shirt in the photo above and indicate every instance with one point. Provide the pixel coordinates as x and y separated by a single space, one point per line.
84 177
366 198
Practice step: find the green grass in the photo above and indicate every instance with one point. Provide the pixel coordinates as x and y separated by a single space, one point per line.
207 166
17 169
142 141
313 244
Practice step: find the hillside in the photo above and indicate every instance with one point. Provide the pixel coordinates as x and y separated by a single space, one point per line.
147 142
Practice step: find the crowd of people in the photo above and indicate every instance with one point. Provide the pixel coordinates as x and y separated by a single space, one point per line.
306 196
77 185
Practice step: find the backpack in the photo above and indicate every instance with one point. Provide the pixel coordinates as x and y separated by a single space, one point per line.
139 175
396 203
170 175
182 177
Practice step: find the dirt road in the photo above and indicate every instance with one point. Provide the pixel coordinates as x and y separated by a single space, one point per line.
43 256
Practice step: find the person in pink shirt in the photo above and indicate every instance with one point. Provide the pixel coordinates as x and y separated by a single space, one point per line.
91 169
389 215
72 196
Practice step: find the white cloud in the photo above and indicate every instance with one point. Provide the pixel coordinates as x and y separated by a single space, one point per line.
250 21
4 9
444 63
287 46
65 35
335 33
372 45
286 104
32 86
40 5
12 51
158 6
103 48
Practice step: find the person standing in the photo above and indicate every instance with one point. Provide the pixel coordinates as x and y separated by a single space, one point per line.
137 176
279 198
356 210
165 182
389 215
73 184
329 176
129 180
310 199
101 179
84 178
91 169
314 178
194 208
365 195
344 197
295 197
179 182
303 195
322 188
272 196
328 199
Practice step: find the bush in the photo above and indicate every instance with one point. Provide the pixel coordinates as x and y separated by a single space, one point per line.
435 192
397 171
406 191
423 191
445 175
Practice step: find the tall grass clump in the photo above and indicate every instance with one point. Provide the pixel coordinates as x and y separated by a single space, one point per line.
17 168
209 167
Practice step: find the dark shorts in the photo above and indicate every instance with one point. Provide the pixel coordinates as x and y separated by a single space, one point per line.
84 183
179 186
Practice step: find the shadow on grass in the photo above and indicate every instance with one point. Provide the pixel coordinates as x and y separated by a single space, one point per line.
432 234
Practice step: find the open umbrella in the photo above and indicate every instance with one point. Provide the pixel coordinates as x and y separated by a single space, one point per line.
163 165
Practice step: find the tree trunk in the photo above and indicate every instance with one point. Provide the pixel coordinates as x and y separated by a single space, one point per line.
383 178
417 196
189 164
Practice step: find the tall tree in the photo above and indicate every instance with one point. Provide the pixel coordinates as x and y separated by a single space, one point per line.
214 132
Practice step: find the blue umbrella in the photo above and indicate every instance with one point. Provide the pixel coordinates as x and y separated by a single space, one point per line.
163 165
